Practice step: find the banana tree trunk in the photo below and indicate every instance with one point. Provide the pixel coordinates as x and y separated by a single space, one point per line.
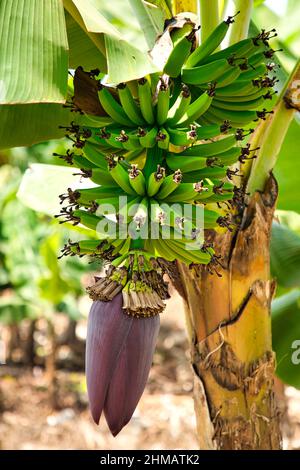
229 327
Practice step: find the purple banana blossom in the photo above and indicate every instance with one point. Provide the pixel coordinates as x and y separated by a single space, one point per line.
119 352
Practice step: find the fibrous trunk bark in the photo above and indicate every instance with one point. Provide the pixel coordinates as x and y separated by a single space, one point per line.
230 332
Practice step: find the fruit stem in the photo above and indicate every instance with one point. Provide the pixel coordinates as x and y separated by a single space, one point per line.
239 29
209 17
270 134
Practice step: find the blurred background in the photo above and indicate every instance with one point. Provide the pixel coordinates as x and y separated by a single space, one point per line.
43 306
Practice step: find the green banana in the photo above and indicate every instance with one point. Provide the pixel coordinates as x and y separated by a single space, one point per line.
255 72
178 56
205 172
163 214
239 106
203 122
111 137
245 48
129 105
120 175
175 90
102 177
154 158
169 184
125 247
80 162
134 141
89 220
159 247
135 156
88 246
141 215
209 217
163 138
185 192
206 73
178 33
145 98
237 118
129 141
258 58
181 137
113 108
239 88
163 99
116 202
217 198
179 107
186 164
163 249
96 157
193 256
126 212
207 120
246 97
155 181
88 121
210 44
227 158
212 148
197 108
137 180
98 140
87 132
228 77
88 195
148 140
210 131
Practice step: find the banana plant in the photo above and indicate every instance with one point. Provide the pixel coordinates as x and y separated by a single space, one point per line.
195 123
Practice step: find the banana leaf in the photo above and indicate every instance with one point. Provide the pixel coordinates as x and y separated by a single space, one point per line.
33 71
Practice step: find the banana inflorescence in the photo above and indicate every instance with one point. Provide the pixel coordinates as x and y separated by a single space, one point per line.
162 166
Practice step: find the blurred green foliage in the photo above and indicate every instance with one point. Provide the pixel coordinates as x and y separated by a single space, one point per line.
33 281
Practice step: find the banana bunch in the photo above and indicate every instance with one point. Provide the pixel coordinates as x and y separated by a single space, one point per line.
161 167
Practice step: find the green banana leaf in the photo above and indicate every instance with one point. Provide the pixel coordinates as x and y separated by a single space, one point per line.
52 285
42 184
164 5
36 281
286 337
287 171
115 28
125 62
34 57
27 124
33 71
150 20
285 256
289 218
82 50
285 18
132 21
